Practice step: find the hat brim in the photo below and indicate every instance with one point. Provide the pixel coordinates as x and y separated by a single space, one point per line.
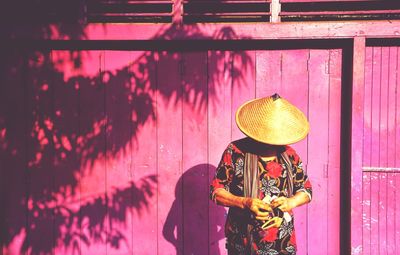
275 122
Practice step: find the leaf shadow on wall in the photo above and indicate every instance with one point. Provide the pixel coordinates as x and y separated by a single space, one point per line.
54 132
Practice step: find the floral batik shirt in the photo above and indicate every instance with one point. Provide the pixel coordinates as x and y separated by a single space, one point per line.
272 183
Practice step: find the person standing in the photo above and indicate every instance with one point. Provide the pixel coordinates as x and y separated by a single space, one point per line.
261 178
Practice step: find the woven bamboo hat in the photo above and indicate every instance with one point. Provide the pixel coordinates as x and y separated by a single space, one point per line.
272 120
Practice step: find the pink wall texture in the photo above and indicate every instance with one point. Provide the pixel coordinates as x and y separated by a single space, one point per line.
380 150
111 152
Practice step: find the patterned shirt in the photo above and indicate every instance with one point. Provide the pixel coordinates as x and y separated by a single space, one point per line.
272 184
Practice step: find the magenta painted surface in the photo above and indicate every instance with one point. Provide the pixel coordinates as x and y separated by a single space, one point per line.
380 150
118 151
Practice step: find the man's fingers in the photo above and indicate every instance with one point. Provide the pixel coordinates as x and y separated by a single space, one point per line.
264 207
264 218
278 201
283 208
262 214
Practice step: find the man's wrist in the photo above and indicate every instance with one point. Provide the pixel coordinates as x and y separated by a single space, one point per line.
244 202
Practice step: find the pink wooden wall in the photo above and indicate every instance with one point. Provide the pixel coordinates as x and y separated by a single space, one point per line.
381 152
114 155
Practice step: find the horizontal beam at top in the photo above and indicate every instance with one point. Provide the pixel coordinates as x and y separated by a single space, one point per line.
229 31
289 30
179 45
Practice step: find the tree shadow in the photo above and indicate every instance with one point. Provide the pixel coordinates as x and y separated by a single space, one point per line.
53 131
191 235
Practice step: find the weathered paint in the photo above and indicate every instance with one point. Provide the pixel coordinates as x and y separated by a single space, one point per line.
115 143
356 138
380 139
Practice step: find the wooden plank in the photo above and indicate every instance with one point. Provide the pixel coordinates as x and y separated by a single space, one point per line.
383 144
143 171
375 109
219 135
375 148
295 90
392 79
397 153
177 11
15 134
397 114
243 84
366 212
367 108
194 180
391 149
384 105
359 13
375 217
93 207
356 144
41 155
268 72
311 1
390 216
67 170
333 180
382 212
366 151
397 214
118 113
169 160
318 138
302 30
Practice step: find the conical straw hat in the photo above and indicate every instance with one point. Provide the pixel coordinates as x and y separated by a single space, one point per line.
272 120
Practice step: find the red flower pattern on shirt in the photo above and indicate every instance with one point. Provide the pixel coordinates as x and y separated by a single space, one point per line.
271 235
274 169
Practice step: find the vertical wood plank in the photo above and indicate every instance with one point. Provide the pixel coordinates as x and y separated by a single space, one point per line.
397 114
397 152
383 144
243 84
333 185
92 120
295 89
391 150
42 152
390 218
366 203
15 132
268 72
195 176
366 151
375 196
383 212
356 144
219 135
367 107
169 165
375 148
67 171
143 150
397 213
118 120
318 151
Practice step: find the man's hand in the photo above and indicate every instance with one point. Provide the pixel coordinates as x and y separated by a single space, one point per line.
258 207
283 203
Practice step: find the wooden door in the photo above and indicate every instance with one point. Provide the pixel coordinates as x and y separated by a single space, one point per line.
380 152
128 142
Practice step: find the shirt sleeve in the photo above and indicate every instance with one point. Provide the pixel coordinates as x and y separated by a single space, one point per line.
223 174
301 182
